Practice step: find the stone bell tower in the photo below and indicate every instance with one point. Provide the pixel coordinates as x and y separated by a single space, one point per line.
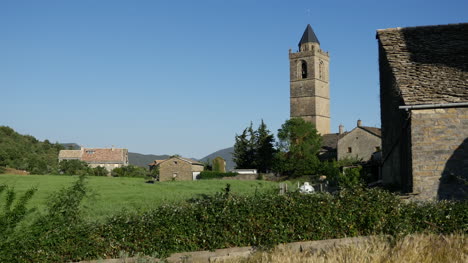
309 82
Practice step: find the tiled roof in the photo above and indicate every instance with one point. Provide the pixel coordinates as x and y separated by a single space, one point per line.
98 155
70 154
429 63
156 162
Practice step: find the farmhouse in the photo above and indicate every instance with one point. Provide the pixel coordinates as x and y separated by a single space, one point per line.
424 109
108 158
178 169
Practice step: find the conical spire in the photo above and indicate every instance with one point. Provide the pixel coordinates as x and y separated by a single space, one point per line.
308 36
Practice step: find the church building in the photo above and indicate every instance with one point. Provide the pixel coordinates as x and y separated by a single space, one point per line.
309 82
310 100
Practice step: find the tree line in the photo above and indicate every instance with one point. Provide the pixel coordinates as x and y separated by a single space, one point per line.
24 152
294 154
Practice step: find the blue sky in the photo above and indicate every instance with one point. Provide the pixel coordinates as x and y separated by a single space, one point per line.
183 77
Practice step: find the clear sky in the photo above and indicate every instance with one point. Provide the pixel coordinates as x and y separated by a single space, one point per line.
183 77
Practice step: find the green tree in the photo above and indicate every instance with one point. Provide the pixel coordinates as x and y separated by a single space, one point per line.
265 150
219 164
100 171
298 147
129 171
154 172
244 149
207 165
74 167
255 148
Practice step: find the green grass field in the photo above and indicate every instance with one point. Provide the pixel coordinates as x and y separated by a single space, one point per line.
109 195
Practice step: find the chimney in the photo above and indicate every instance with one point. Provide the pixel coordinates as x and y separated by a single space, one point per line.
359 123
341 129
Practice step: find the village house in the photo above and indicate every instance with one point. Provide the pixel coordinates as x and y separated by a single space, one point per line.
360 143
424 109
108 158
177 169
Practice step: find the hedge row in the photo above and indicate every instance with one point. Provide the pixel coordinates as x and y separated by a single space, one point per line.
226 220
214 175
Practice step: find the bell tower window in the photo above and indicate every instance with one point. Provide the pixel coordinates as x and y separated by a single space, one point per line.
304 69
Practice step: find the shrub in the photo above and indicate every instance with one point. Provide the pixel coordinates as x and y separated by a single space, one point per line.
59 235
224 220
11 215
214 175
2 169
129 171
74 167
100 171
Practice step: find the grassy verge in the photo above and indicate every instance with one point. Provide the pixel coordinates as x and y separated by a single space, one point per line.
419 248
109 195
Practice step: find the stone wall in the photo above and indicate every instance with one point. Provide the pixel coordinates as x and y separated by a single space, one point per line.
440 153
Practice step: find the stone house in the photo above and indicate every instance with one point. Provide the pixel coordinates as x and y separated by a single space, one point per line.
108 158
424 109
360 143
178 169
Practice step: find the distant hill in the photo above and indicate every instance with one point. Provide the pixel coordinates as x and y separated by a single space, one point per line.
70 146
143 160
26 153
226 154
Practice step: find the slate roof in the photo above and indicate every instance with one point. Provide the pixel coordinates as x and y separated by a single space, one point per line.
373 130
308 36
330 141
429 63
99 155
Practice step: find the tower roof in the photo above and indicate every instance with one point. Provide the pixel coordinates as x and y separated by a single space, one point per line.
308 36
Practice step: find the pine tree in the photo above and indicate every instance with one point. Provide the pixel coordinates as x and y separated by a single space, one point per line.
254 148
265 150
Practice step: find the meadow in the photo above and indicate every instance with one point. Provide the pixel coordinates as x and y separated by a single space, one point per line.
110 195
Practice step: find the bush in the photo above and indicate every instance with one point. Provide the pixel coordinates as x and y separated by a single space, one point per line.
100 171
11 215
2 169
130 171
59 235
214 175
224 220
74 167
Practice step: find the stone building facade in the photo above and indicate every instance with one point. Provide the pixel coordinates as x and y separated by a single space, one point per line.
309 82
108 158
424 109
360 143
179 169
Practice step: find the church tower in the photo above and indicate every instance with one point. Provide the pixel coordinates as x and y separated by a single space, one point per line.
309 82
